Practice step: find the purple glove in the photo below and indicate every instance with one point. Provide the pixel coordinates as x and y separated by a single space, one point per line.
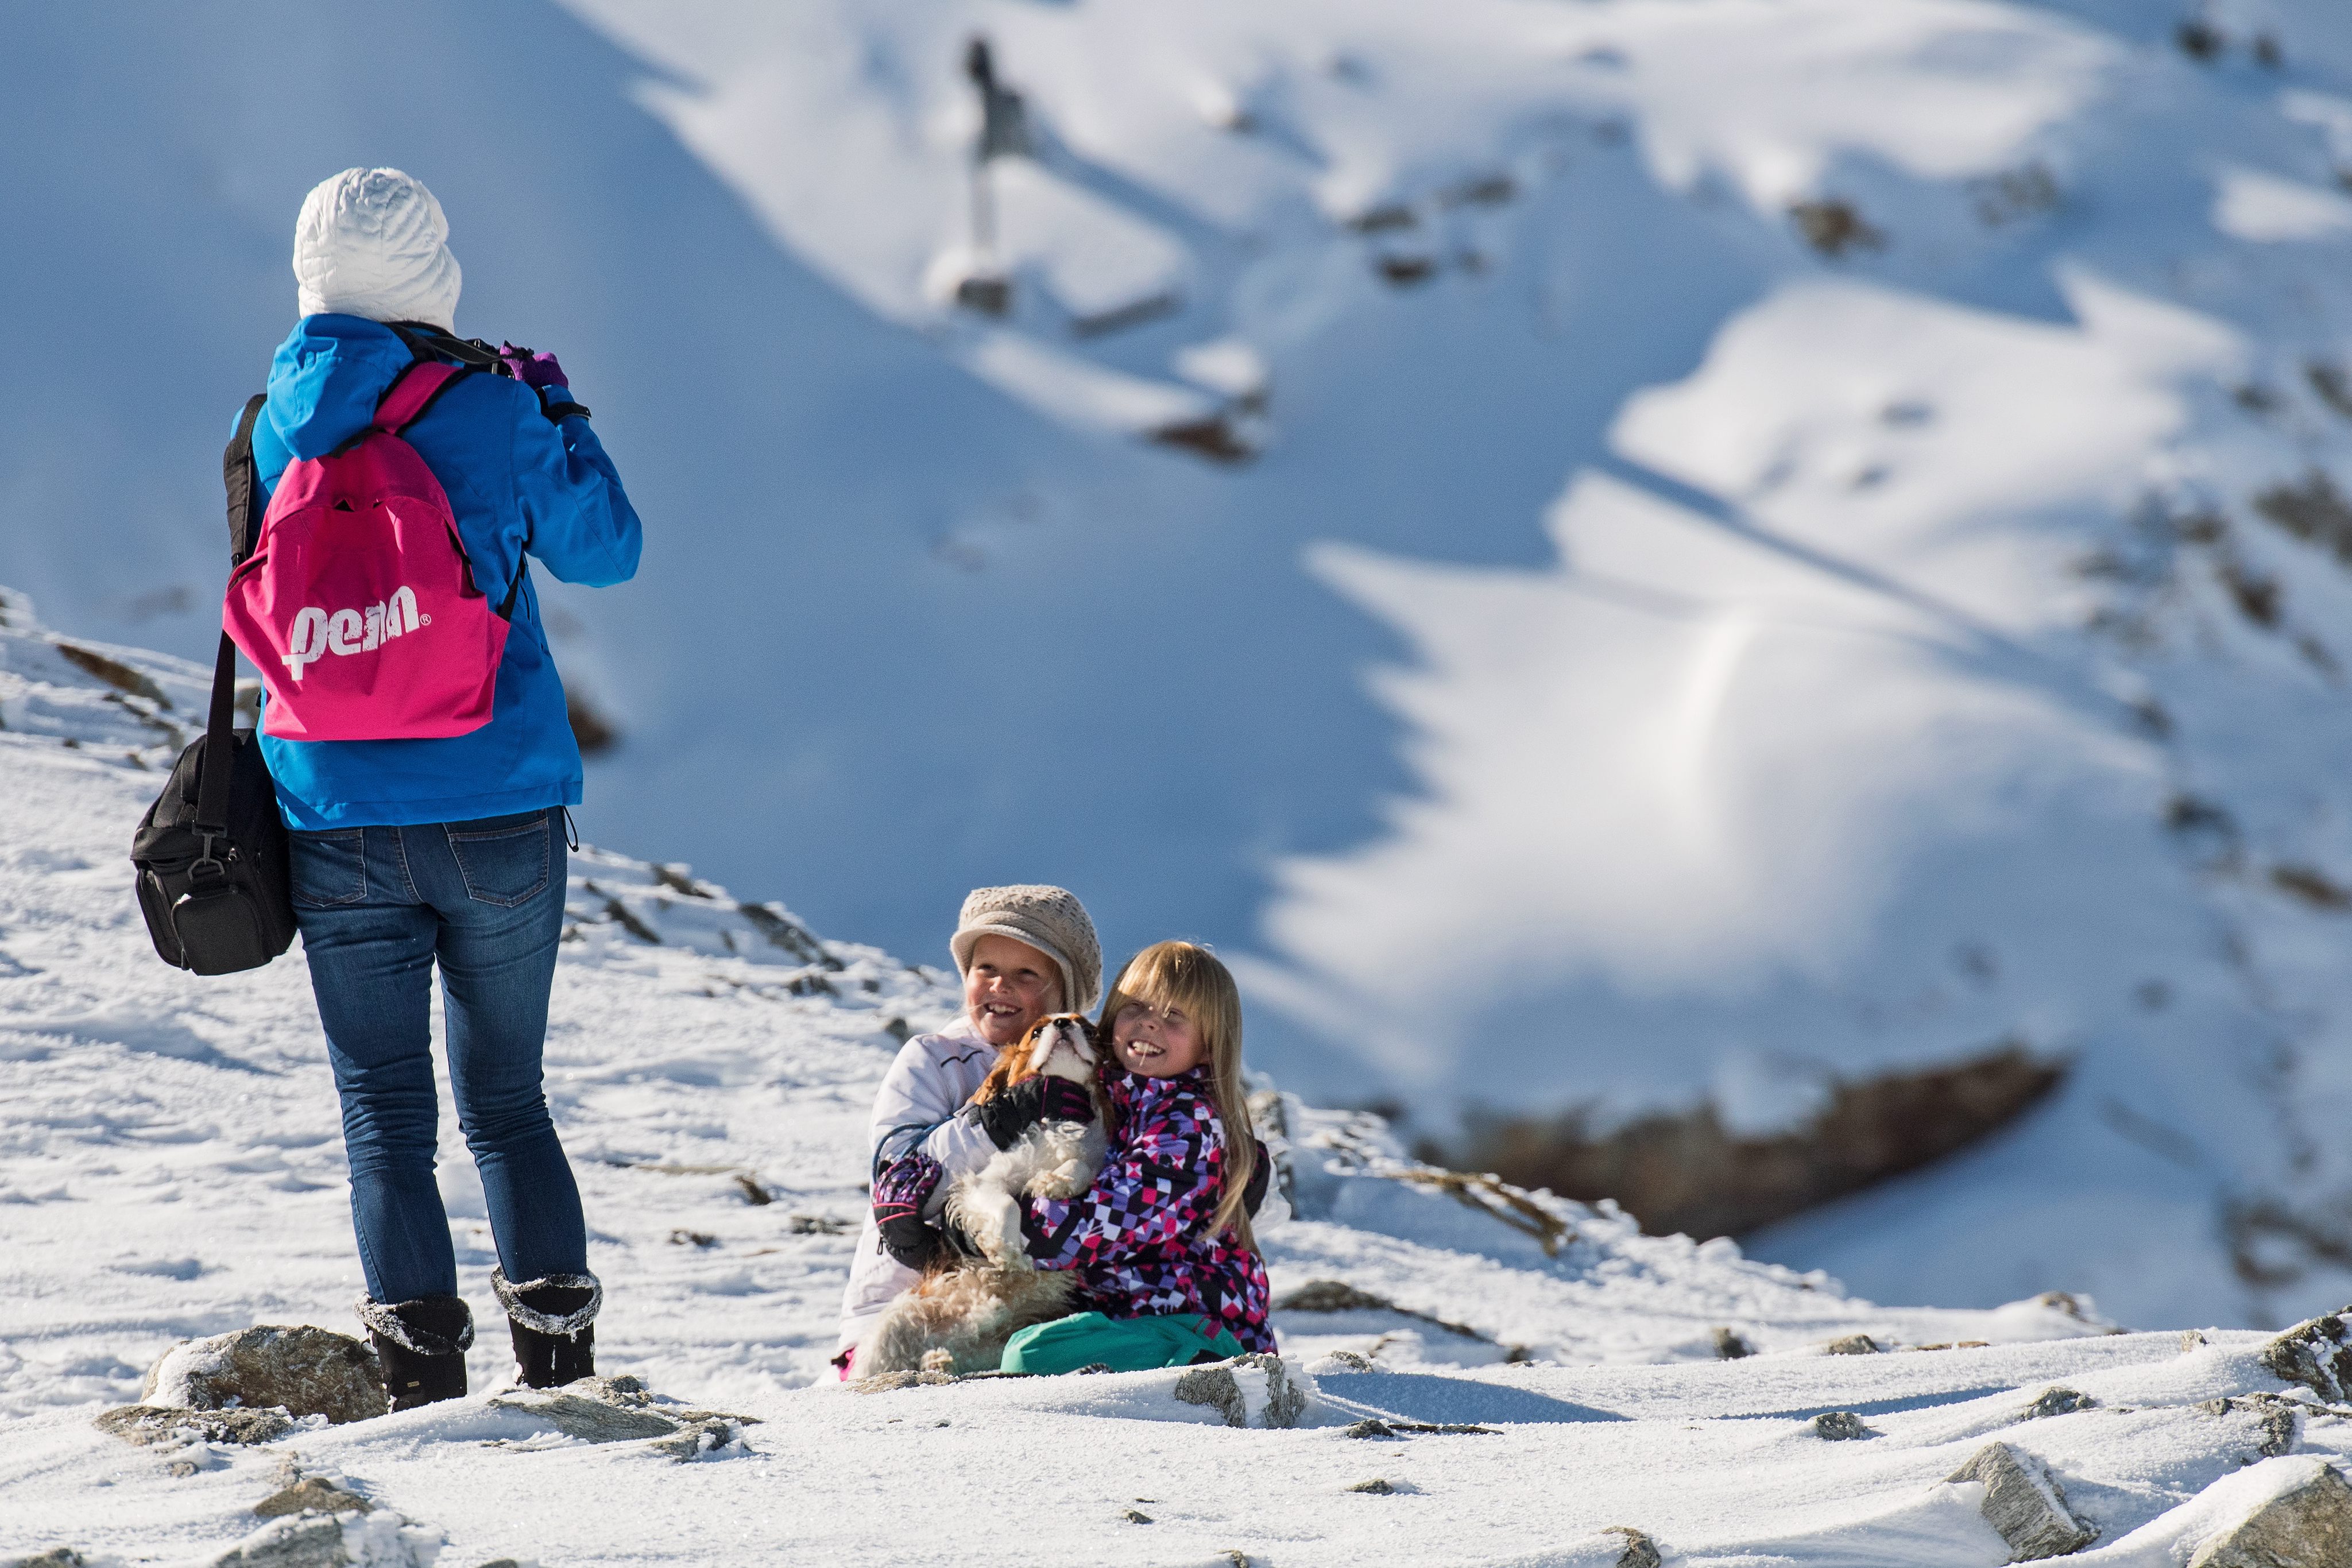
900 1194
532 370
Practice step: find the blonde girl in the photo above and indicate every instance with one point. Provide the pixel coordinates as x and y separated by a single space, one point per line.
1162 1242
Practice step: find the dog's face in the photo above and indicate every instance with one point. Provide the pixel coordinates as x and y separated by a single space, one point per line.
1062 1046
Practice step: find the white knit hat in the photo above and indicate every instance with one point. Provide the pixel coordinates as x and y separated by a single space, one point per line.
373 242
1050 919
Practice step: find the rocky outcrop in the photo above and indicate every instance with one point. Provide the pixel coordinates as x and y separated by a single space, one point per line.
1258 1384
158 1425
2308 1524
312 1494
302 1371
2024 1504
1838 1427
2058 1402
1689 1173
2317 1353
621 1410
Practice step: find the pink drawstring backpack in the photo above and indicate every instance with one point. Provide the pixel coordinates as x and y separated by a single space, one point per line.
358 604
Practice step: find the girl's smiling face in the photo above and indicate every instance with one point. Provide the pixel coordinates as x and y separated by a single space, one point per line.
1156 1042
1009 987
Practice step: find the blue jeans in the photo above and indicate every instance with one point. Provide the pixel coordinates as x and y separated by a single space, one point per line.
376 908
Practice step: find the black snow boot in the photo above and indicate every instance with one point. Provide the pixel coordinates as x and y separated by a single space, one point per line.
554 1323
421 1345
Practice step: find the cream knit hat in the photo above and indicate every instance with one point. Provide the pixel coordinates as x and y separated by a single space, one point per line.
373 242
1050 919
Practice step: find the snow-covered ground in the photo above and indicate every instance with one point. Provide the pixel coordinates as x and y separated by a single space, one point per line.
170 1166
1787 540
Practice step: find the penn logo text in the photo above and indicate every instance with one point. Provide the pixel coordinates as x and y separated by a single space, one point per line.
316 633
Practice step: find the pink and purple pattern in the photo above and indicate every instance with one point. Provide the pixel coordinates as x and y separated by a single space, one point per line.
1140 1238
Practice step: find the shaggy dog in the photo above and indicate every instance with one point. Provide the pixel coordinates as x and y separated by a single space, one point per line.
958 1317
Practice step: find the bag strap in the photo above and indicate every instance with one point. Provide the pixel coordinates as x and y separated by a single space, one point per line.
243 484
220 756
428 342
414 392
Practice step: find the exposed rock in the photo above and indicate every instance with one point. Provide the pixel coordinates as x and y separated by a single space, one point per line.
114 673
2058 1402
151 1426
1214 1387
305 1541
2305 1526
1284 1401
591 1420
1834 226
1689 1173
2024 1504
305 1371
2317 1353
1214 437
1640 1551
314 1494
1136 1516
1840 1426
2191 1339
2278 1418
621 1410
1855 1345
1369 1427
2314 511
1338 1296
56 1557
1732 1345
1376 1487
1233 1387
592 732
698 1437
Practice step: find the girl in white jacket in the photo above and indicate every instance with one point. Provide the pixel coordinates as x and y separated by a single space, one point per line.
1024 953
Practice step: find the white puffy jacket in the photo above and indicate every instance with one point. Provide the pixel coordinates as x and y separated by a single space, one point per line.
917 1109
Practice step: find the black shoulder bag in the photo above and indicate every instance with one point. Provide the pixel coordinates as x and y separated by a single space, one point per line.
211 849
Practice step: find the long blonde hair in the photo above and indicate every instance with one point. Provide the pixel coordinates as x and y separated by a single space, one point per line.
1188 976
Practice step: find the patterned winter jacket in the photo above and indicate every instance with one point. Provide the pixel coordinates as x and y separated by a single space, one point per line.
1139 1240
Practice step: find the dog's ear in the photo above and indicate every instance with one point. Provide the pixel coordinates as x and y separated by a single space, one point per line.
1037 1047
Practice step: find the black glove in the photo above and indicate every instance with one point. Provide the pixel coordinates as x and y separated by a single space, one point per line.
900 1194
906 1237
1030 1102
1253 1195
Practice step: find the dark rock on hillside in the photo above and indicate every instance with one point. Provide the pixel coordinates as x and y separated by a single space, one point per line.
2309 1522
164 1426
1688 1174
2024 1504
2317 1353
303 1371
305 1540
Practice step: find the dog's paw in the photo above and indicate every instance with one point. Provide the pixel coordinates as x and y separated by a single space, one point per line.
1065 1180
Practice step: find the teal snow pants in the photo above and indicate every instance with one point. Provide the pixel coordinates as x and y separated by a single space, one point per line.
1123 1345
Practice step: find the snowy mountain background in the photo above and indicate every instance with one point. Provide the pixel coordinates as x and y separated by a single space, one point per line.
1621 555
171 1168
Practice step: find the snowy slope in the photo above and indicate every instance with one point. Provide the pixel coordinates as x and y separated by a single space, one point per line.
171 1167
1933 666
1832 481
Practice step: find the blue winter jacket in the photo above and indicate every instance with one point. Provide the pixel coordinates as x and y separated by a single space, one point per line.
516 483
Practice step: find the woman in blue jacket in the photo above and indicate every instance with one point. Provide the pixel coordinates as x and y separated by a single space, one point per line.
409 853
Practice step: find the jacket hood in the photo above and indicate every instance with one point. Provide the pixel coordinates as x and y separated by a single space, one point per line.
327 378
